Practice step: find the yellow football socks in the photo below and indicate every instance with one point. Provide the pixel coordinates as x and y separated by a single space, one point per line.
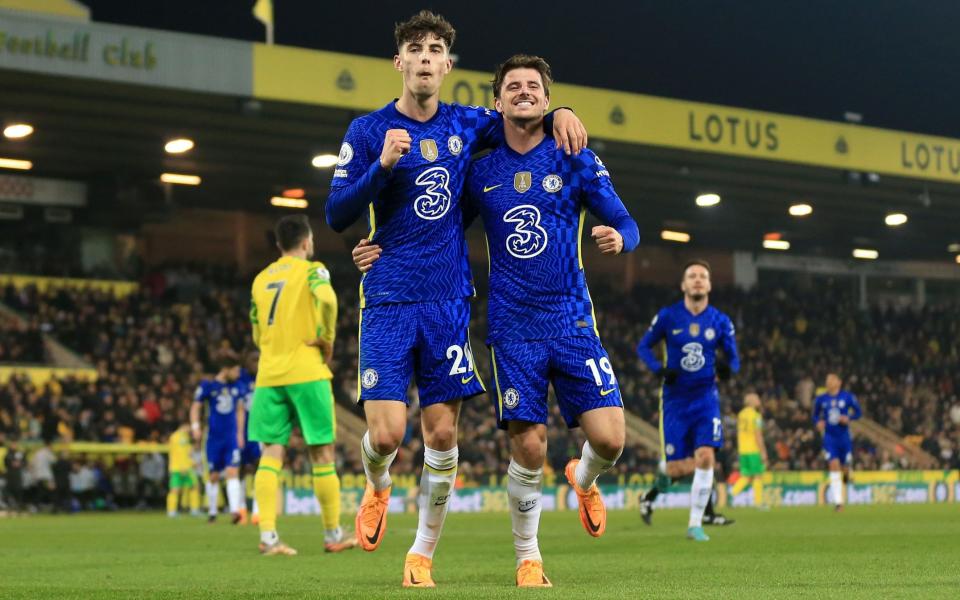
265 486
740 485
193 498
758 491
326 486
173 500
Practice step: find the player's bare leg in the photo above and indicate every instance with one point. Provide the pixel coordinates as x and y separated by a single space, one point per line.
836 484
700 492
605 431
326 487
266 488
386 422
440 456
528 448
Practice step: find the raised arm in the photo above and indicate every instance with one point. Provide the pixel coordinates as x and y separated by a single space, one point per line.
360 176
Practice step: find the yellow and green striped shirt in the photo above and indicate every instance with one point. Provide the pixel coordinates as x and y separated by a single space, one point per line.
292 304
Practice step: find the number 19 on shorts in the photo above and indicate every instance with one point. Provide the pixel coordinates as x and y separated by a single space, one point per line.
607 369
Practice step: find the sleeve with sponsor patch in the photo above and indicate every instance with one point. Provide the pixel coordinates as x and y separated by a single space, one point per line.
414 209
602 200
358 177
318 279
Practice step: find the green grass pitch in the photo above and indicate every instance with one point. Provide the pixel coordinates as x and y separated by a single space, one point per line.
864 552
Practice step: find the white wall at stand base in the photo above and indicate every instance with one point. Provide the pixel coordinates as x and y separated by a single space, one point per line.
744 270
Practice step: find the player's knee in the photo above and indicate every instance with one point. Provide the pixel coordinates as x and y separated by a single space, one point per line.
443 437
680 468
608 446
385 440
530 452
704 458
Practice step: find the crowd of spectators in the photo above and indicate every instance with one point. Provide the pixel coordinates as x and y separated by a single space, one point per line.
20 342
150 349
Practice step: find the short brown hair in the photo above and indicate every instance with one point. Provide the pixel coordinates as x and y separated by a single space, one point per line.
419 25
227 359
291 230
695 263
523 61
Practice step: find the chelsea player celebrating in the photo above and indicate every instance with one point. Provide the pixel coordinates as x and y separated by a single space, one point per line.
690 424
832 413
404 167
532 199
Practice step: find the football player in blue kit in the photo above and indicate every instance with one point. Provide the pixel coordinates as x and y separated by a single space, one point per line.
832 413
404 167
533 199
691 428
221 394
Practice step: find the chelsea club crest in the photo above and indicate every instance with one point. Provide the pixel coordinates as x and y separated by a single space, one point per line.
455 144
552 183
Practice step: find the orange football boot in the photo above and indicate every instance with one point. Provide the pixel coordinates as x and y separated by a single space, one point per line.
593 514
371 524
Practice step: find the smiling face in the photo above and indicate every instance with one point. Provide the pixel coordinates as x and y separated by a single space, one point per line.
424 63
522 96
696 282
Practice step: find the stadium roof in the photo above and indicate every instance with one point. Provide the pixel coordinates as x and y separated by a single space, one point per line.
110 133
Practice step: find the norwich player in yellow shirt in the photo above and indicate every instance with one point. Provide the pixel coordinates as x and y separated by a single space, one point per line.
183 478
752 450
294 315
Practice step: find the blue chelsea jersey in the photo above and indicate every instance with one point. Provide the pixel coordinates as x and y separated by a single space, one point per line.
533 207
222 399
829 409
413 210
691 348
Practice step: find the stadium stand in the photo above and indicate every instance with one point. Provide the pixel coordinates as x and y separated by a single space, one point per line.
151 347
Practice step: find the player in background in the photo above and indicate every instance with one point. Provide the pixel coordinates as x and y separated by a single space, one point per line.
532 199
404 167
690 423
183 478
249 451
221 394
751 449
294 316
832 413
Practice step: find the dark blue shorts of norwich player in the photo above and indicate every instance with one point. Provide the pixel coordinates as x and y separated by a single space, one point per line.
577 366
428 340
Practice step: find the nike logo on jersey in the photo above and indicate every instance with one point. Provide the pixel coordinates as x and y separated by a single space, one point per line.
605 392
466 380
677 331
491 188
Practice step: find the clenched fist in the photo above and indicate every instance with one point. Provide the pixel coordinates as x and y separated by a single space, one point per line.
608 239
395 144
